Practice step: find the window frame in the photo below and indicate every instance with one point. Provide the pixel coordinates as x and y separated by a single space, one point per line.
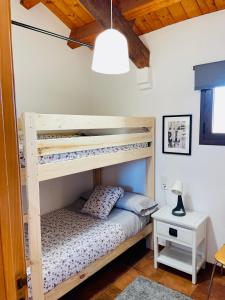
206 136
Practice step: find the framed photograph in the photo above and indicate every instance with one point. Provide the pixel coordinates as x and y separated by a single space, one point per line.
176 135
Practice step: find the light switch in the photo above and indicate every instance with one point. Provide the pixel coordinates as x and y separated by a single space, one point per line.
144 78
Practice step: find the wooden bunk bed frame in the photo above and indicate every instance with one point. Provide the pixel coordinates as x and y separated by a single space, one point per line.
31 124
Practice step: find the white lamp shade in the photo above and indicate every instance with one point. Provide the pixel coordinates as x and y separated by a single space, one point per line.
177 187
111 53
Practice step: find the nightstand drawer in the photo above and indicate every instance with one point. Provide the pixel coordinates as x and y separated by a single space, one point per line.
175 233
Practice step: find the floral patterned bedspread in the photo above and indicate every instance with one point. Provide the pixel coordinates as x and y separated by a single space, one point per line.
71 241
45 159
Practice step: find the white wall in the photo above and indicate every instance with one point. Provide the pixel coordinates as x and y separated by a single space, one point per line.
174 52
50 78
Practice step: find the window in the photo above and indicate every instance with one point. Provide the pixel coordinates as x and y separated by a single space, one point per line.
218 121
210 80
212 120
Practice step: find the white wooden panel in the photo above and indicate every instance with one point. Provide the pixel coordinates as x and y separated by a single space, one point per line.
200 234
183 235
179 259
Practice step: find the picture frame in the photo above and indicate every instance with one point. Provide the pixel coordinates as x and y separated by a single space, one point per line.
177 134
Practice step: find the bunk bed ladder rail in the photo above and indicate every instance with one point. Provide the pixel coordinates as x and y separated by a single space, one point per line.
150 175
33 199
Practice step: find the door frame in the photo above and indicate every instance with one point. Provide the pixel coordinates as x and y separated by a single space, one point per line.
12 258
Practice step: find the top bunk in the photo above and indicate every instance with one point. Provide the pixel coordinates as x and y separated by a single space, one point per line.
53 146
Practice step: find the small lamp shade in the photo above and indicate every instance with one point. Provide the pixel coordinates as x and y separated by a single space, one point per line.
111 53
177 187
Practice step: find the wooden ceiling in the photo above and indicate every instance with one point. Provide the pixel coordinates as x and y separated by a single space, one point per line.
86 20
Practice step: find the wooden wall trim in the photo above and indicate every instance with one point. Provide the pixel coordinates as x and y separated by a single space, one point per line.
2 278
11 226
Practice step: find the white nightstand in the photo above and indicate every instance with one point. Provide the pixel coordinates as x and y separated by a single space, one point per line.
185 240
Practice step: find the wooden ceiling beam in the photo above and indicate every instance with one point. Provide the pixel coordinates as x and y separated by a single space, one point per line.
89 32
29 3
85 33
100 9
131 9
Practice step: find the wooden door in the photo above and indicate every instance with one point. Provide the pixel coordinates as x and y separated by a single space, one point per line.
12 260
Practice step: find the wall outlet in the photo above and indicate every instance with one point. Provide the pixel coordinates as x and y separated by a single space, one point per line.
164 183
144 78
164 186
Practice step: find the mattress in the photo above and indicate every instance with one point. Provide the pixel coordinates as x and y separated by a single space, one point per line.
76 154
71 241
130 222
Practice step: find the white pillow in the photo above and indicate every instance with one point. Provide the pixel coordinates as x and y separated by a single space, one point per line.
139 204
102 200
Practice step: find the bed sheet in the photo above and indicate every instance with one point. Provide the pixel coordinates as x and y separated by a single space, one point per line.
130 222
77 154
70 242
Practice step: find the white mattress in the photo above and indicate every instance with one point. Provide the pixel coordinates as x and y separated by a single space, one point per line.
130 222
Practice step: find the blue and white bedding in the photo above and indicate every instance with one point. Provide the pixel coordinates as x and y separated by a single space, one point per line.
130 223
137 203
71 241
45 159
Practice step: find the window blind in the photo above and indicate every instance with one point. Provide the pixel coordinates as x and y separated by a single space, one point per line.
211 75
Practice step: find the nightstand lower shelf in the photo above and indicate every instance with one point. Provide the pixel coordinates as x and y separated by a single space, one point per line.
179 259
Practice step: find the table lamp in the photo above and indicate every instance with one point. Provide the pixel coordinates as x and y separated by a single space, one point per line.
177 189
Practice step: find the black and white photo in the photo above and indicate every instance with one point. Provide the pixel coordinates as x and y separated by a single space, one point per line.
177 134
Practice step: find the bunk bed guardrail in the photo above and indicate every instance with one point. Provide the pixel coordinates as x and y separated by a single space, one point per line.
45 123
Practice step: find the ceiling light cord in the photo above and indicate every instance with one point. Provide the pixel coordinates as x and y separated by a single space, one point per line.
111 16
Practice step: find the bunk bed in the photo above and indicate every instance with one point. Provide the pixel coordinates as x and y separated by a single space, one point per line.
53 147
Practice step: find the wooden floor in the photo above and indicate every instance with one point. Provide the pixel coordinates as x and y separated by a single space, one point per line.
115 277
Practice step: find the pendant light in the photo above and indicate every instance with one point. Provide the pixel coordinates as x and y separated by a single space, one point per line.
111 52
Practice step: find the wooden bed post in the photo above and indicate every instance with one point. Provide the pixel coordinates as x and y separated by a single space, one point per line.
150 166
97 177
150 176
33 199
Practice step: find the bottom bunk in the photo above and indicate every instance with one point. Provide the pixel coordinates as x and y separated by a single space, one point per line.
75 246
